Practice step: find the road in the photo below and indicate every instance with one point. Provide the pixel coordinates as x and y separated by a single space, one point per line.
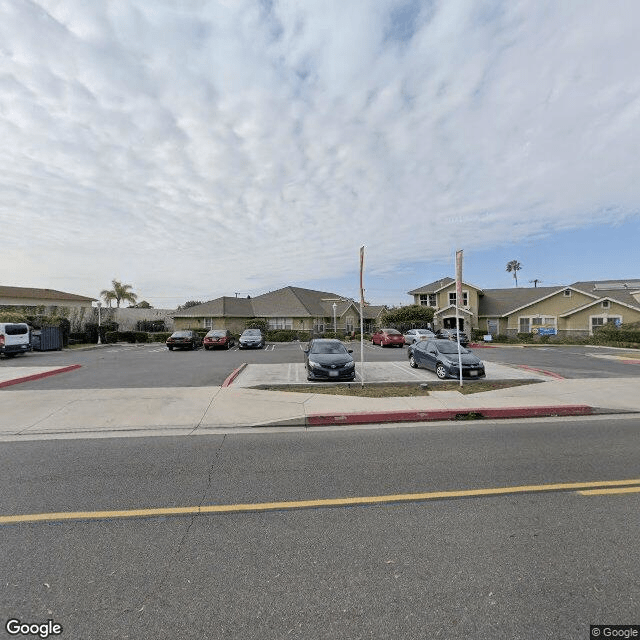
544 563
152 365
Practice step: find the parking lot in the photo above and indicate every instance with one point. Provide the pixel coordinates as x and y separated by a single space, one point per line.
153 365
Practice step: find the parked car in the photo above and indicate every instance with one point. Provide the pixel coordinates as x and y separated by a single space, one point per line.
329 359
441 356
251 339
452 334
219 338
386 337
184 339
14 338
414 335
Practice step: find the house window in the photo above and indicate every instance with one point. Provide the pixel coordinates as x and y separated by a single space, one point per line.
465 298
600 321
535 323
208 323
493 326
280 323
318 325
428 299
605 304
567 293
348 324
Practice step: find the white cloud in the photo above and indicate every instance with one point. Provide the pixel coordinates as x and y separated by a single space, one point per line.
198 148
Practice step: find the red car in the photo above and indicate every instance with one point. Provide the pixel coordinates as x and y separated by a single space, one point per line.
219 338
386 337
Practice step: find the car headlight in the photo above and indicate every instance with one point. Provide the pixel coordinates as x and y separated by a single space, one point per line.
312 363
350 365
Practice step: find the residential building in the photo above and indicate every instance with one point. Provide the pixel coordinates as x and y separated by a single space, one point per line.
292 308
576 309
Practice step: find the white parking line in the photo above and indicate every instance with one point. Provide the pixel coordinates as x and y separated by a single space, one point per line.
405 370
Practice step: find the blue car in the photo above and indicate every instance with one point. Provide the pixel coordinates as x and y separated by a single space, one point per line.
441 356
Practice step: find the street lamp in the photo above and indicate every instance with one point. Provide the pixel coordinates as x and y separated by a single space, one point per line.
335 329
99 318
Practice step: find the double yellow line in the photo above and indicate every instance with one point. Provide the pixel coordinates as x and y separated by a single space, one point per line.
605 487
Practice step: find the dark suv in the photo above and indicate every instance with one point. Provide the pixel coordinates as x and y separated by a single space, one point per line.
452 334
184 339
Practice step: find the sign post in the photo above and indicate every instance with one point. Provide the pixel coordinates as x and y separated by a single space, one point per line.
458 298
361 316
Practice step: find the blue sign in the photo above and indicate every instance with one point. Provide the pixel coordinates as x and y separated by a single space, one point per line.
547 331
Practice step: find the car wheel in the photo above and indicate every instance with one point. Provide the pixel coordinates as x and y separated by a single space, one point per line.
170 348
228 346
441 372
412 362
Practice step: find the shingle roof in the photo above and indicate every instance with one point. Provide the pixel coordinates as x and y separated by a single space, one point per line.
225 306
497 302
41 294
611 289
433 286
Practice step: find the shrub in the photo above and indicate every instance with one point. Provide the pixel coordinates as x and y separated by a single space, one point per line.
525 337
160 336
91 330
142 336
257 323
501 339
150 325
110 337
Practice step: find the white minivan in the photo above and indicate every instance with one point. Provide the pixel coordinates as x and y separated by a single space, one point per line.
14 338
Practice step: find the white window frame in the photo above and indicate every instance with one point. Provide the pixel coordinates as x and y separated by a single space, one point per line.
497 324
465 297
208 323
538 321
567 293
428 300
279 324
606 318
606 304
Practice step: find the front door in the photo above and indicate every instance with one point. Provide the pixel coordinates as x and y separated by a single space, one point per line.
450 323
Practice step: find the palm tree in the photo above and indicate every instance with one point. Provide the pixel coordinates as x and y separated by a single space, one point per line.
119 293
515 266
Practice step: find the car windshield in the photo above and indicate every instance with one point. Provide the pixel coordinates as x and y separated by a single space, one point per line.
424 332
451 347
328 347
216 334
251 332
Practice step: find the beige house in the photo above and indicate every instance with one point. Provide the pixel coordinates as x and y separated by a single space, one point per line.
577 309
292 308
48 298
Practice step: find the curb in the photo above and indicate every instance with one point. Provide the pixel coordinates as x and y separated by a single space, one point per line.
326 419
38 376
233 375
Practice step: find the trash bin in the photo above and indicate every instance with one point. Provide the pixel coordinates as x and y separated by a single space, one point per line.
46 339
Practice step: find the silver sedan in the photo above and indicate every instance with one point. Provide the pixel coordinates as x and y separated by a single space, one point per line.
416 335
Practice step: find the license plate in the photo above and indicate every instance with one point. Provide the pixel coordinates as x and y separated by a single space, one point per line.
473 373
334 374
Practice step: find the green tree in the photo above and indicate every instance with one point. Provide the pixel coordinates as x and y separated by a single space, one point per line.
119 293
415 313
514 266
188 304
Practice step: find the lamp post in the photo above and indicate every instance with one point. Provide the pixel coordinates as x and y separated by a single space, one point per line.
99 318
335 329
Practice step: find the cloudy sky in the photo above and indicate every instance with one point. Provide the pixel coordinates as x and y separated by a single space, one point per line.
196 149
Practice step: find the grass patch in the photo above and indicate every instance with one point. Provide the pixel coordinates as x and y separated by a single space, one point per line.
399 389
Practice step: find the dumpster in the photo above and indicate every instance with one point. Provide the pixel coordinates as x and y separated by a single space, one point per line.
46 339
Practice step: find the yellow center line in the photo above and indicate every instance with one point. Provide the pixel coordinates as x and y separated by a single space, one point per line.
585 488
604 492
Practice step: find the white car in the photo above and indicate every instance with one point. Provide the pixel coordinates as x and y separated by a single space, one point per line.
415 335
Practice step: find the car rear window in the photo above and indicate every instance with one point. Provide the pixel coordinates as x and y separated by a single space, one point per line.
392 332
181 334
16 329
217 334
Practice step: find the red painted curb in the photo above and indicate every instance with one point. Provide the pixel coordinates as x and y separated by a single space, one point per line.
323 419
37 376
233 375
551 374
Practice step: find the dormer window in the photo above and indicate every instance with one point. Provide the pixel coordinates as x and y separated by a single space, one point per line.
567 293
606 304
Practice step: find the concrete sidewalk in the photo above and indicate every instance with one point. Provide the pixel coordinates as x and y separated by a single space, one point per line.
29 415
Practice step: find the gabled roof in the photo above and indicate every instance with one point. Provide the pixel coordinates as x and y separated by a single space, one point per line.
501 302
372 312
41 294
220 307
452 307
596 302
620 290
438 285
